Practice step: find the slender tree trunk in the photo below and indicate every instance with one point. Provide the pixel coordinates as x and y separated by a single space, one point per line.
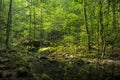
41 22
86 25
0 20
34 24
9 24
113 24
114 30
0 8
101 29
30 26
107 26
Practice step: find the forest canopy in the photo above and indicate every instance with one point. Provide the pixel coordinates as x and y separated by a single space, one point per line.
89 24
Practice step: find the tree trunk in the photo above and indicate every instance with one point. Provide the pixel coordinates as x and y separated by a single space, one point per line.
113 24
9 24
107 26
86 25
0 20
0 7
101 30
34 24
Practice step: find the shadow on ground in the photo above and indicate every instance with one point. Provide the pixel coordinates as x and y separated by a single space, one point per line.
72 69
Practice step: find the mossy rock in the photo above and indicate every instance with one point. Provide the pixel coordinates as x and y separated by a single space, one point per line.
46 51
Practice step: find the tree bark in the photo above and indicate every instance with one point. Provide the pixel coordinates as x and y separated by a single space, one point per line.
9 24
107 26
86 25
114 26
34 24
101 30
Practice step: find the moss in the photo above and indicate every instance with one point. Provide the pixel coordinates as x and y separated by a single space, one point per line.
46 51
50 49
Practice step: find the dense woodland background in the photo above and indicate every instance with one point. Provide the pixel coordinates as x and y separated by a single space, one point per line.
85 32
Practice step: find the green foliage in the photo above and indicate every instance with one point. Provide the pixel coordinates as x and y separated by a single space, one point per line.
60 21
69 39
67 48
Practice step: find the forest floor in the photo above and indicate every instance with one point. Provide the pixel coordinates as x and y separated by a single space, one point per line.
69 67
61 67
7 69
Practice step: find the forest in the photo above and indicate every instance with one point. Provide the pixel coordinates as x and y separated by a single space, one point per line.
59 39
